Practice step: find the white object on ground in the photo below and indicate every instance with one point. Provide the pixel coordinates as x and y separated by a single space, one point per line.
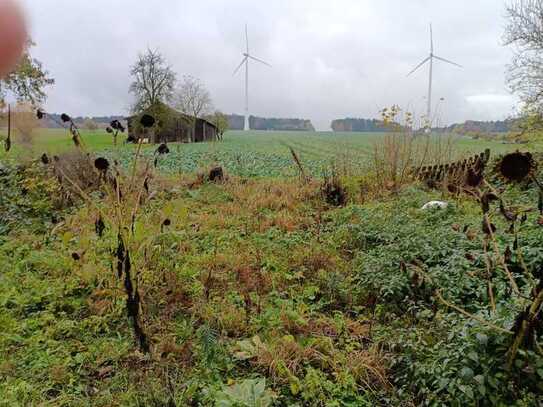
435 205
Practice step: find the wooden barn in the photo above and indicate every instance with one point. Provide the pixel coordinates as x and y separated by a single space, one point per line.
171 126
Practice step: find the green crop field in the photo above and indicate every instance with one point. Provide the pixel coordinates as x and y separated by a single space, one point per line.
254 153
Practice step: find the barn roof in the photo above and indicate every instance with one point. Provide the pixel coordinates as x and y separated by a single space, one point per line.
174 112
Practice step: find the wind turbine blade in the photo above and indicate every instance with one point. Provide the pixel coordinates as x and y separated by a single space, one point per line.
259 60
239 66
419 65
246 38
431 40
447 61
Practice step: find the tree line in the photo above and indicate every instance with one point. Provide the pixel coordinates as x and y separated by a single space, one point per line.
236 122
362 125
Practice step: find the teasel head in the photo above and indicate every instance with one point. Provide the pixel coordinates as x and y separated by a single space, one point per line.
516 167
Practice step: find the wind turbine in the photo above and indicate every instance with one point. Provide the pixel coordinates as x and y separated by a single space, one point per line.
430 59
245 60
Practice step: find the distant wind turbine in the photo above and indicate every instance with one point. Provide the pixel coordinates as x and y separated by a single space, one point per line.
430 59
245 60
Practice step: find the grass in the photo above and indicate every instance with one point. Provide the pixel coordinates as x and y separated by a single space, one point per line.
55 141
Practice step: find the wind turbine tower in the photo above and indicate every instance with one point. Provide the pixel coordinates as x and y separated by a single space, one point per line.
245 61
430 58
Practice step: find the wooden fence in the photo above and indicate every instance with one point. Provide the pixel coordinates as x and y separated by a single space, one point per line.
467 172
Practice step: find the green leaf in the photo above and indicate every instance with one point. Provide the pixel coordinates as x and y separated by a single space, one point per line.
480 379
466 373
473 356
482 338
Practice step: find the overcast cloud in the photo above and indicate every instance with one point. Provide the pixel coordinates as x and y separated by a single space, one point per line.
331 59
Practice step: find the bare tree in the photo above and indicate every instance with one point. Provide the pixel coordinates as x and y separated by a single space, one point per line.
193 99
524 32
220 120
154 80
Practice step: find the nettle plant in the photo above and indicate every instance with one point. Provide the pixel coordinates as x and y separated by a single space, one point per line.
513 276
123 193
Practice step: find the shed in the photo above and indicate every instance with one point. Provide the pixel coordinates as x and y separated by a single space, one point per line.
171 126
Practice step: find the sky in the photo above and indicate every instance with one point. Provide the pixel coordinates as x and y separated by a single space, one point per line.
330 59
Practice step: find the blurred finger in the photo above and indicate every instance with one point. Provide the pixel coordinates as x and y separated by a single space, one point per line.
13 35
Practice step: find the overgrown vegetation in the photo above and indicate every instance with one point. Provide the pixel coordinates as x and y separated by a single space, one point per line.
268 291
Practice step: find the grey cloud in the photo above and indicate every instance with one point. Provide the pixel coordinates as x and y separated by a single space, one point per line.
330 59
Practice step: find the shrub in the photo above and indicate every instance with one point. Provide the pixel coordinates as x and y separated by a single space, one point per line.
397 156
25 123
27 198
76 172
90 124
333 191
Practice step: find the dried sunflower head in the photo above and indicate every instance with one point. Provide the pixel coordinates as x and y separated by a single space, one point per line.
163 149
101 164
116 125
147 120
516 167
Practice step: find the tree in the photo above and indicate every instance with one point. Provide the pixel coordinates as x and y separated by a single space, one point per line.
27 81
524 32
193 99
154 80
220 121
